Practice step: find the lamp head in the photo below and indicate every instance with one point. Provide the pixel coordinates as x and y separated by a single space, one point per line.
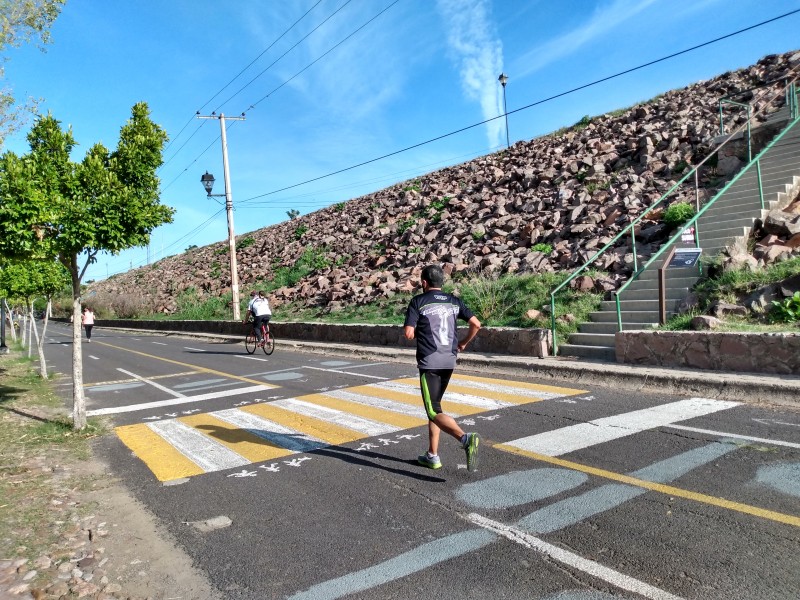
208 182
503 79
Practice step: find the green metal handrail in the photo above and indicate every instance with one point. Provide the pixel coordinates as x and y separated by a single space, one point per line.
693 220
789 90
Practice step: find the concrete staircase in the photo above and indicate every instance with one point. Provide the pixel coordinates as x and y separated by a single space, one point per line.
728 219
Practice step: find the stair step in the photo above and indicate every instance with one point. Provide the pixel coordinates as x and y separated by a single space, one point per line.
590 352
612 328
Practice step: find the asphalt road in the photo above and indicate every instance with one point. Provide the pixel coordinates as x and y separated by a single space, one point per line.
295 476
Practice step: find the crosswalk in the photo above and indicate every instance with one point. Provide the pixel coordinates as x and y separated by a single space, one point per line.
262 431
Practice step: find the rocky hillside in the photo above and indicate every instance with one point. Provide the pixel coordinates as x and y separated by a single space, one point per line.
542 205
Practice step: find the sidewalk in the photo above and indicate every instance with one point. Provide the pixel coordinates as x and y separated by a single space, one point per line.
742 387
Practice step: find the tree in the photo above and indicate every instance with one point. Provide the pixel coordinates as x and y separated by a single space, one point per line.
293 213
21 22
28 280
53 208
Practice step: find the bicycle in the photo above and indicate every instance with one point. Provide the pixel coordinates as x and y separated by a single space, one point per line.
267 340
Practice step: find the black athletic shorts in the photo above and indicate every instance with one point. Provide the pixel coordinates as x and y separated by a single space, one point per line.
433 383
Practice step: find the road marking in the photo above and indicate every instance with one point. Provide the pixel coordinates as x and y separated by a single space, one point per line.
158 386
350 421
183 400
237 439
298 424
94 357
161 457
735 435
193 349
183 364
160 343
251 357
88 385
776 422
344 372
576 437
595 569
373 413
657 487
209 454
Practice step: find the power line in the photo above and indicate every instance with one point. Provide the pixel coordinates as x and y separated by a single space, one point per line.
526 107
223 88
312 63
272 64
288 80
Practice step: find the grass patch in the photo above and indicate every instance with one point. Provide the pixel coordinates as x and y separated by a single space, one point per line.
35 435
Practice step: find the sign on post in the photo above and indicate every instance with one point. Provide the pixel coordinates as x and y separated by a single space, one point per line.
684 257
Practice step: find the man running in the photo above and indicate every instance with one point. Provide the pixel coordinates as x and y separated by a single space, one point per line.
431 319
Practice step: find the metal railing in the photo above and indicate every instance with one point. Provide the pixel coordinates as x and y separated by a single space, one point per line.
693 221
790 92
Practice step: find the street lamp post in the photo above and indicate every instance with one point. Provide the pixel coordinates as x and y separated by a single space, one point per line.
503 79
208 183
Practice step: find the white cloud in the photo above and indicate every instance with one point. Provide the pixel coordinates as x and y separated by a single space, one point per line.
604 19
475 47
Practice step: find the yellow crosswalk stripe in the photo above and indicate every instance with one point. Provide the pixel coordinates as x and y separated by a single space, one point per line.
160 456
368 412
244 443
327 432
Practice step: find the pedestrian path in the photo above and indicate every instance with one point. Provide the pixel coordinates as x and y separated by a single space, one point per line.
262 431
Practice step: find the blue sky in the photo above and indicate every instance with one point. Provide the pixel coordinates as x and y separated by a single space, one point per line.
329 84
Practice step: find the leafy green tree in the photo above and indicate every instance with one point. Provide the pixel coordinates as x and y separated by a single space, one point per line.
54 209
28 280
22 22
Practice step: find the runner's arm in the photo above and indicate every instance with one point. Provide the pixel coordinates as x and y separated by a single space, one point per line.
474 327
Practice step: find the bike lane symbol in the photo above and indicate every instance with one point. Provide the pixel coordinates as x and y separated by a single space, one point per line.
519 488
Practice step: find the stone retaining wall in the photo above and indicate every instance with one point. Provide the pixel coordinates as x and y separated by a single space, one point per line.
777 353
491 340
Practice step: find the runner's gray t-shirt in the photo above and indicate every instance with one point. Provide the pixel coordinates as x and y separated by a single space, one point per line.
434 316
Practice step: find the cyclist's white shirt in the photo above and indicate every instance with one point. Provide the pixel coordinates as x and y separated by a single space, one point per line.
260 307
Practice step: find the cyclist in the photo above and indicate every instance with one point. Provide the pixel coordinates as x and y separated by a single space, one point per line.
260 311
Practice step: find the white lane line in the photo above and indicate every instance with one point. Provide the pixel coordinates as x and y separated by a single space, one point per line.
94 357
193 349
576 437
252 357
335 416
469 399
398 407
201 450
366 365
160 343
573 560
345 372
281 436
184 400
735 435
158 386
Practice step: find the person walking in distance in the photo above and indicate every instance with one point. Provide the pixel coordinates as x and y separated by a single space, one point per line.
431 319
87 319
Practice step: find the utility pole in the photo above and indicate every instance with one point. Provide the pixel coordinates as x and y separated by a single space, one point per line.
228 208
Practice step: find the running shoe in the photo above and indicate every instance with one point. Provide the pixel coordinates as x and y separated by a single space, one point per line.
471 449
432 462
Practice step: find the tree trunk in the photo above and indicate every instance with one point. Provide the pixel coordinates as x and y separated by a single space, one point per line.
30 329
11 321
78 399
39 345
23 330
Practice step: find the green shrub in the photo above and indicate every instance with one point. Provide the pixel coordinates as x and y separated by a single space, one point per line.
787 311
299 231
543 248
404 226
677 214
245 243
